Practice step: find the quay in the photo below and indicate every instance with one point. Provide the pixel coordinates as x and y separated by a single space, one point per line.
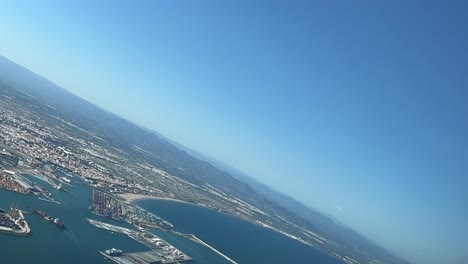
11 182
14 223
161 251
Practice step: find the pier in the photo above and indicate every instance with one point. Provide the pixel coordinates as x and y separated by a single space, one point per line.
14 223
161 251
201 242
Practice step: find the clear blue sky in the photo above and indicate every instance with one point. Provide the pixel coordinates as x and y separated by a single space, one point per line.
357 108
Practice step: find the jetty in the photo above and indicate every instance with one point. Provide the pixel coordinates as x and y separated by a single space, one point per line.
14 223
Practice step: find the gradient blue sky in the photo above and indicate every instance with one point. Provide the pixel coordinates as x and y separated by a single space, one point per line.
357 108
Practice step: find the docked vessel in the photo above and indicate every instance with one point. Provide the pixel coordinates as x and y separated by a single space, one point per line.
49 218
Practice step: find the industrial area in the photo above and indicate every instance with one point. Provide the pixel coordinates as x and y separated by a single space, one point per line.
115 207
161 251
14 223
108 205
15 182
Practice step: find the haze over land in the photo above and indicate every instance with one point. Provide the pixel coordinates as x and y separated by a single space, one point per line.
356 110
121 157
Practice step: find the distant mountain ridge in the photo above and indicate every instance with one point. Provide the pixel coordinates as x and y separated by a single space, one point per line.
320 219
190 165
299 208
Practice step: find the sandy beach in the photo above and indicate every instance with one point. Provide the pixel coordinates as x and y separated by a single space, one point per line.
132 197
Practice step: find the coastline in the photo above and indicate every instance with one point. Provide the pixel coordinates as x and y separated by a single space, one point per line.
133 198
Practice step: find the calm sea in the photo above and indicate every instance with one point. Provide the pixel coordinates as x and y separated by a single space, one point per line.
239 240
81 243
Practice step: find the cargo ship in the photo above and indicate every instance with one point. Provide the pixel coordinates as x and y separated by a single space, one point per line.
49 218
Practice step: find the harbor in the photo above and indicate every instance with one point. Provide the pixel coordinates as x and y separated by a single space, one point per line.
19 182
83 243
14 223
103 204
161 251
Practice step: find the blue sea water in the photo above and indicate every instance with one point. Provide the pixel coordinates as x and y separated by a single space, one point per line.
81 242
241 241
